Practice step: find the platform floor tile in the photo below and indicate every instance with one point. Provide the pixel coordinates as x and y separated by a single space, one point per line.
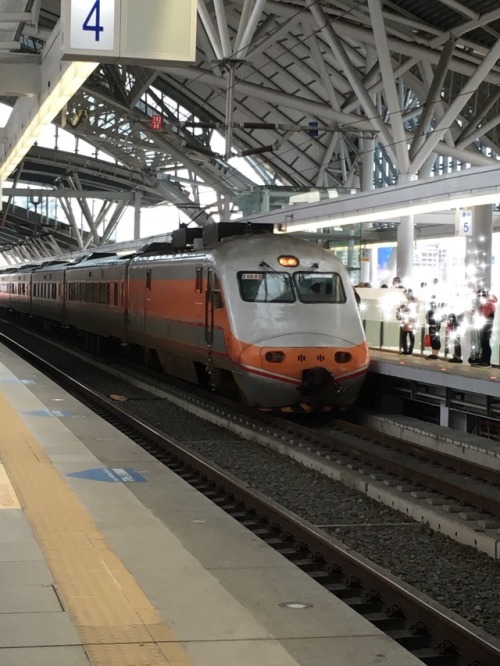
36 629
28 599
44 656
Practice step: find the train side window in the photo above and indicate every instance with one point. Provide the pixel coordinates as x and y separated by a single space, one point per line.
115 293
102 293
148 279
199 280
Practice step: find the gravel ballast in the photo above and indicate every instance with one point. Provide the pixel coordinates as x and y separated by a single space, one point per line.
459 577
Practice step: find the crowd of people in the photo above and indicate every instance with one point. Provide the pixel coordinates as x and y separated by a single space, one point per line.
473 311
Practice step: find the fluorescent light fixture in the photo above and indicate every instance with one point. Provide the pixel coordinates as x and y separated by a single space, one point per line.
70 81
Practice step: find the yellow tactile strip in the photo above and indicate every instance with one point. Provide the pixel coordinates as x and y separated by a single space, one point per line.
115 620
8 498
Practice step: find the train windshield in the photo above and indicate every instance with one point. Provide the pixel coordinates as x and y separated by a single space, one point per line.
266 287
319 287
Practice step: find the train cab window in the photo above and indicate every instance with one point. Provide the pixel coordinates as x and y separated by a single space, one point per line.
319 287
266 287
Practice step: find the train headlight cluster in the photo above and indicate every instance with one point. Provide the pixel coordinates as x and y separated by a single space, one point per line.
288 261
275 357
342 357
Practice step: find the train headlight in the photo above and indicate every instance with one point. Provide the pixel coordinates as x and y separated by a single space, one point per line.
275 356
288 261
342 357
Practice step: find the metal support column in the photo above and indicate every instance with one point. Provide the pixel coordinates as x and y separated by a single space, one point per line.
137 215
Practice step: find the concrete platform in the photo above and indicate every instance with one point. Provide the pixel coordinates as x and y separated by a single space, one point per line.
106 557
456 441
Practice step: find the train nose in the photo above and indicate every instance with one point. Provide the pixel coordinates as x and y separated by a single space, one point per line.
317 380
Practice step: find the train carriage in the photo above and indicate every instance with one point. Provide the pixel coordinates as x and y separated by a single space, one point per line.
95 295
47 291
280 333
166 309
17 290
266 316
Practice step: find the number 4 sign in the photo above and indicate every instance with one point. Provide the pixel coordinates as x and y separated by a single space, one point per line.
129 31
92 25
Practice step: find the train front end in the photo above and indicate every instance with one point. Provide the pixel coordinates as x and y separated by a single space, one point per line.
298 337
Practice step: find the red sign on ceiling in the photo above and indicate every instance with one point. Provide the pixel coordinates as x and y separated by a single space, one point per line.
156 122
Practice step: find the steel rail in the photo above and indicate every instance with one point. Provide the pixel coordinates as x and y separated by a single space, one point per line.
455 638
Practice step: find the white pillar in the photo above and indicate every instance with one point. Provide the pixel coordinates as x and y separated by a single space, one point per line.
373 265
405 239
478 246
404 252
364 275
444 416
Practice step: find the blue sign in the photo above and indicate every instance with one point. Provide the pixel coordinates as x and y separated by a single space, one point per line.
110 475
384 254
58 413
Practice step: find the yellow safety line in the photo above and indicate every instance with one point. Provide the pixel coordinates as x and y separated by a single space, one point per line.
116 622
8 498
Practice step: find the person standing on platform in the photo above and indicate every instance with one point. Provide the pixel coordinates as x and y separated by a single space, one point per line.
407 317
433 320
485 314
453 325
396 283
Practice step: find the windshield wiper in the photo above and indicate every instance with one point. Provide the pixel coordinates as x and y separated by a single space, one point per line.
271 270
309 270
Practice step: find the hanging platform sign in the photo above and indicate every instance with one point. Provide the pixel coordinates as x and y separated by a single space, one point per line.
463 222
129 31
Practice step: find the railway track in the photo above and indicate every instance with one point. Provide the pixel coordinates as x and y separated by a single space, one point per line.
451 495
428 630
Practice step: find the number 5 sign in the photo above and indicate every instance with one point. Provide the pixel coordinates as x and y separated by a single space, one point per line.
134 31
463 222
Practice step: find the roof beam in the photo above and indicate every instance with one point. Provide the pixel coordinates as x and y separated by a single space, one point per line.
58 83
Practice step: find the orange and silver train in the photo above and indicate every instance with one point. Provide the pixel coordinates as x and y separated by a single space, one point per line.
245 311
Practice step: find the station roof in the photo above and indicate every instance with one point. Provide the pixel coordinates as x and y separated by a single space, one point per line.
308 89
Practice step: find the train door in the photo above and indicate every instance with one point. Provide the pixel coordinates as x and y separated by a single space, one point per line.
213 302
209 309
147 300
137 299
